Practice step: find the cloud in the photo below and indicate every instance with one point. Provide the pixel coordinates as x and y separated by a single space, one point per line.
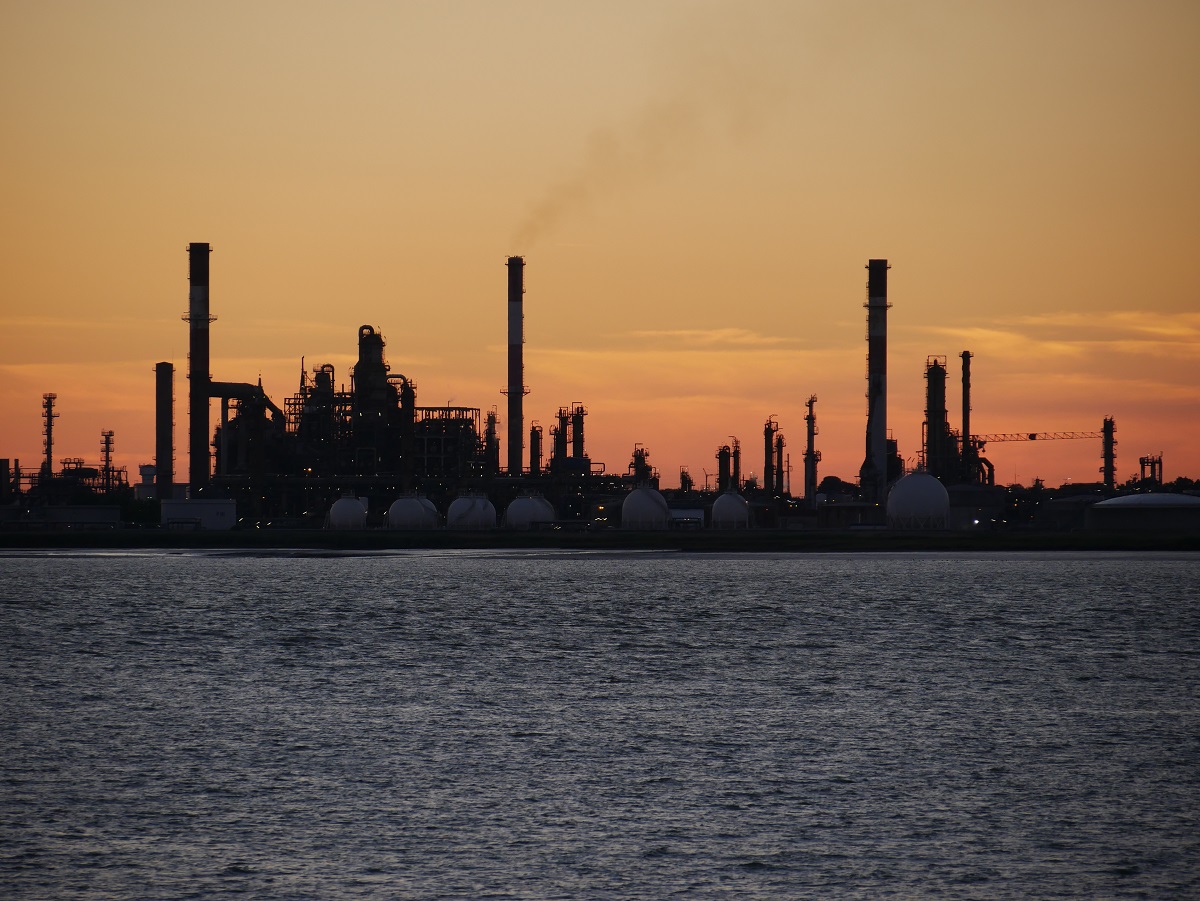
1117 325
1080 336
1007 343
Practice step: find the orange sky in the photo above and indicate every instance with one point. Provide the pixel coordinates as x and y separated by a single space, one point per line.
696 187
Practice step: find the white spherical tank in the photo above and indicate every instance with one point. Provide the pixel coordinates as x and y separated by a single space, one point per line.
471 511
347 513
413 512
918 501
526 510
731 511
645 508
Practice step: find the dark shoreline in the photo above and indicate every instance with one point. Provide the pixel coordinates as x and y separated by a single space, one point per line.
760 540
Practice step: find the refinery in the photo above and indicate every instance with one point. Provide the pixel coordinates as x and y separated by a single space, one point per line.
370 457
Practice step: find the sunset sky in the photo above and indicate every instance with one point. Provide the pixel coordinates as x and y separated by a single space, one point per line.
696 188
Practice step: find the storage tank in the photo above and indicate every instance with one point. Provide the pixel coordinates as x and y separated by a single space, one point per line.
526 510
413 511
918 501
645 508
1152 512
347 513
731 511
471 511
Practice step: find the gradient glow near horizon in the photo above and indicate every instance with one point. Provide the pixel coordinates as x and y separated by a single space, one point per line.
696 188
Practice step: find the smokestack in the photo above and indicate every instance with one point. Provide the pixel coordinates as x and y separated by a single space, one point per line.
966 400
164 430
516 365
199 377
874 476
969 463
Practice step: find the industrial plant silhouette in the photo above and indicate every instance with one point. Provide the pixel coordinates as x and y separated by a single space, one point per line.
369 457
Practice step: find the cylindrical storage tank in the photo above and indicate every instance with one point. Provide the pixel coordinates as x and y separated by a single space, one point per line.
731 511
645 508
413 512
918 501
471 511
347 513
526 510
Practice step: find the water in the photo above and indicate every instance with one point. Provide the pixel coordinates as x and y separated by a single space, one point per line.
566 725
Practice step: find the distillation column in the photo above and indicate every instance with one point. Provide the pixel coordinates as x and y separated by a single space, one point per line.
1109 452
770 429
937 447
812 456
535 449
49 416
106 465
874 473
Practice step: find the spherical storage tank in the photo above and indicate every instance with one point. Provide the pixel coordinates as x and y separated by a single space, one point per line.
918 501
347 513
645 508
471 511
413 511
526 510
731 511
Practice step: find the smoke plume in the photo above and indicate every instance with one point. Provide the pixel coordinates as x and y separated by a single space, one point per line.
724 90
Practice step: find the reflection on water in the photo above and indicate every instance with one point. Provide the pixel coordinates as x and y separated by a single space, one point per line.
554 724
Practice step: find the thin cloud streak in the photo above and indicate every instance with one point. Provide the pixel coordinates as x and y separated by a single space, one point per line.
734 338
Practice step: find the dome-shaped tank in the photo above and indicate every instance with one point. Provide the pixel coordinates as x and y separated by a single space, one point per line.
413 511
347 513
918 501
645 508
526 510
471 511
731 511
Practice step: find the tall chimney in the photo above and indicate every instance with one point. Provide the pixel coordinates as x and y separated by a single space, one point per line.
199 377
967 446
769 430
874 476
516 366
966 397
164 430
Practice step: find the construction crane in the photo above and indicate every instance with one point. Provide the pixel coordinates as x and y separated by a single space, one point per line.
1032 436
1107 434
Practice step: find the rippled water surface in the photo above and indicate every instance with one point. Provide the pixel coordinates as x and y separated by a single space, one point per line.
544 725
